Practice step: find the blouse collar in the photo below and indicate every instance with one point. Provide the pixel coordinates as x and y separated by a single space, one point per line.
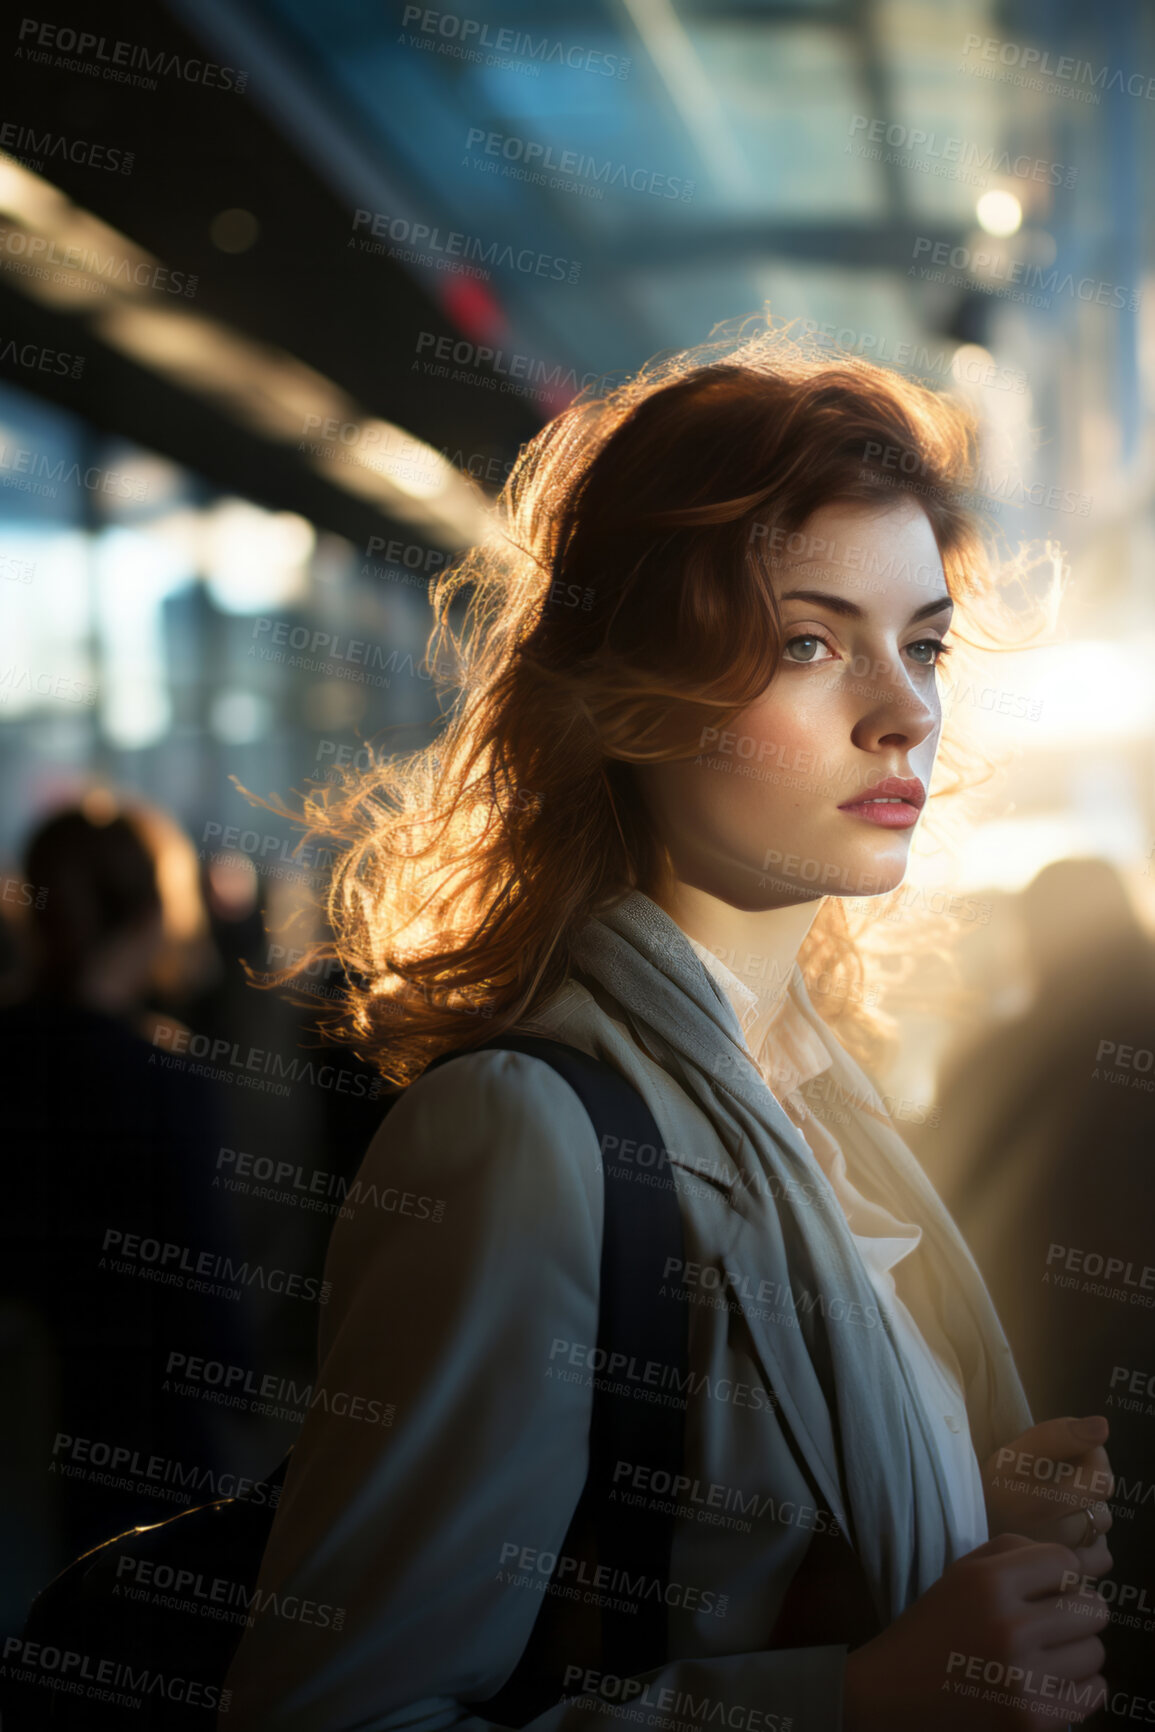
783 1044
788 1050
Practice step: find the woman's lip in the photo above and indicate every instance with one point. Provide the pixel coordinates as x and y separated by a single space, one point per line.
890 813
908 788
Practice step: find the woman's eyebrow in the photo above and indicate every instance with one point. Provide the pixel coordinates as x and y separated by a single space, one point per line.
851 609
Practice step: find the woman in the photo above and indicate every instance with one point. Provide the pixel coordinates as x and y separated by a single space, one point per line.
698 711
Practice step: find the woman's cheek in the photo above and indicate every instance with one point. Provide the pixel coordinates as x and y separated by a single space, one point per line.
791 735
741 798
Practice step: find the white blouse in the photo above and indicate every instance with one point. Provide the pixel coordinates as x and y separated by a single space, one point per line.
788 1051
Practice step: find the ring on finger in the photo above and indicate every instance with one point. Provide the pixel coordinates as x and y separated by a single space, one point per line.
1091 1531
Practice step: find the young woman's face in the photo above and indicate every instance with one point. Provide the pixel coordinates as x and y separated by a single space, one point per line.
816 787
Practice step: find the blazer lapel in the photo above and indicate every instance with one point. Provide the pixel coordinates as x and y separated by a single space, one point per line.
787 1365
840 1388
755 1267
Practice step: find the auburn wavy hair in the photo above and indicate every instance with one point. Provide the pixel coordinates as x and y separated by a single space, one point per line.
622 603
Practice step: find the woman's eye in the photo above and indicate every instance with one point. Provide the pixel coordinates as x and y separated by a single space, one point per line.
934 647
804 648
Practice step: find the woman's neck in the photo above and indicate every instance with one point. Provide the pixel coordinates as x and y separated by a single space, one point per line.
760 945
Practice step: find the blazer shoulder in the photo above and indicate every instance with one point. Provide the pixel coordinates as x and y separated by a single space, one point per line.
493 1116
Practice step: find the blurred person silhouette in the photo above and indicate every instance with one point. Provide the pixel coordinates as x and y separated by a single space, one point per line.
314 1123
106 1136
13 888
260 927
188 961
1042 1154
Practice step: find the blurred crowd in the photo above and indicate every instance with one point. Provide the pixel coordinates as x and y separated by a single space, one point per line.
173 1161
1041 1149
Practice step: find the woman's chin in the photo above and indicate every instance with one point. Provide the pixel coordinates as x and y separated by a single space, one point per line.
868 872
878 877
871 871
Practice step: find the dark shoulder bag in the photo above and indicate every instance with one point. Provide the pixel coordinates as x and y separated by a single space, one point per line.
141 1631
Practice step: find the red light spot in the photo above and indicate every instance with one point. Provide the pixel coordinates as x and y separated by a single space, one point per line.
474 311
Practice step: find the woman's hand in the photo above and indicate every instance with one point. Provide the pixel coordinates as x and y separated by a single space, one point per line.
998 1643
1042 1483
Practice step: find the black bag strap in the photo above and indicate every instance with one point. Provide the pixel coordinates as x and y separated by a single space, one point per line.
639 1398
